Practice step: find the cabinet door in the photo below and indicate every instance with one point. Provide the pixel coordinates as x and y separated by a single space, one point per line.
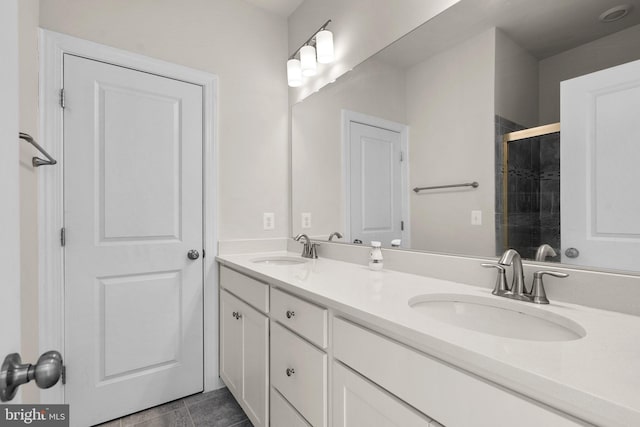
255 365
358 402
230 343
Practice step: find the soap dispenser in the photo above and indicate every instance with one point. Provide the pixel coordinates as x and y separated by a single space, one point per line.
375 256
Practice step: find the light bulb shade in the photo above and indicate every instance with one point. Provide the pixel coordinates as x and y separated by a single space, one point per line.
324 46
308 60
294 73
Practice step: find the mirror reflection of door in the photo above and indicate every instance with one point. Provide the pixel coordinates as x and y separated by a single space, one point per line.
374 178
600 153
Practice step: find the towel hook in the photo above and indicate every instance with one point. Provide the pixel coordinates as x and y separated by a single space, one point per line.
37 161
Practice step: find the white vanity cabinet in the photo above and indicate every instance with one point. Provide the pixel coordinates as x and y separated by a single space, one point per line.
299 362
291 362
244 351
304 318
358 402
451 396
283 414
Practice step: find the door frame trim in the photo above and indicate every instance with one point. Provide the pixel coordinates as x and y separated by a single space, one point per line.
348 117
51 196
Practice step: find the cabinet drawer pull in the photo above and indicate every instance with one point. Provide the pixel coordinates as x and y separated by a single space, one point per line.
236 314
290 314
290 371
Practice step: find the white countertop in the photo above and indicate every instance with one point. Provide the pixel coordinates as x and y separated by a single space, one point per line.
595 378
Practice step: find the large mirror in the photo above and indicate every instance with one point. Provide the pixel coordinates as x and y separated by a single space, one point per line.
456 138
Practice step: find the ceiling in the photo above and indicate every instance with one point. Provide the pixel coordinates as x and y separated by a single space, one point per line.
280 7
542 27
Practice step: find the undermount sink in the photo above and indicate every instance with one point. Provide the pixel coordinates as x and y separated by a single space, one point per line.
497 316
279 260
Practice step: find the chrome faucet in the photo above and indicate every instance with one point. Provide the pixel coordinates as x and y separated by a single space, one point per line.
511 257
335 234
309 250
518 291
545 251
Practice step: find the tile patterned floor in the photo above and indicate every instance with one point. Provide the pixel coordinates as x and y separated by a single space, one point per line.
214 409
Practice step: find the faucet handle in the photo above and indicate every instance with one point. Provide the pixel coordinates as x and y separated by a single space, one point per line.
538 294
313 250
501 286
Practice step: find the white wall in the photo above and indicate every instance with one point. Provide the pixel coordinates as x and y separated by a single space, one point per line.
28 11
516 82
450 111
360 29
317 174
242 44
606 52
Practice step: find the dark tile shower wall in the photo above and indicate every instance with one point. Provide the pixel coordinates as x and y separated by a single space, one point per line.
550 191
502 126
533 194
524 196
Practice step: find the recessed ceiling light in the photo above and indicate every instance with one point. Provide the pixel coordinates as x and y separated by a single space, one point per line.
615 13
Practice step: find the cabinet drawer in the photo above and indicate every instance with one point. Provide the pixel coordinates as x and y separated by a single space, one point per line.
452 397
283 414
306 386
244 287
305 318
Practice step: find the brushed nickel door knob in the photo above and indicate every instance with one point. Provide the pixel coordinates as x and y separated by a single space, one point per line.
193 254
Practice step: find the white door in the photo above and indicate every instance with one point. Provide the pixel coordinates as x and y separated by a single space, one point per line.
375 184
244 362
9 220
600 155
133 211
230 343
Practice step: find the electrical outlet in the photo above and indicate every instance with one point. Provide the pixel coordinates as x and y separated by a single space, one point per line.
476 217
268 221
306 220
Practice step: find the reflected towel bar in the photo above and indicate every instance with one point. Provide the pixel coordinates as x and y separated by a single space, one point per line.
473 184
37 161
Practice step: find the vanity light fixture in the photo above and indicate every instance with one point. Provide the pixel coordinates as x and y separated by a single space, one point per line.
324 46
294 72
319 47
308 60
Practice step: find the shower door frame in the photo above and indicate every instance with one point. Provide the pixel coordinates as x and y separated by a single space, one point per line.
508 138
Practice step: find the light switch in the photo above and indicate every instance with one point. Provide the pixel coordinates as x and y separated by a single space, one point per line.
476 217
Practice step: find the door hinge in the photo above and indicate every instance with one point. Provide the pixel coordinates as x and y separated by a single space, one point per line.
401 225
63 376
62 100
401 156
63 237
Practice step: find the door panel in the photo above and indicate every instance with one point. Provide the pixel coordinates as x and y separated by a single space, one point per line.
244 361
255 387
133 209
599 168
375 184
230 343
126 303
139 155
358 402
